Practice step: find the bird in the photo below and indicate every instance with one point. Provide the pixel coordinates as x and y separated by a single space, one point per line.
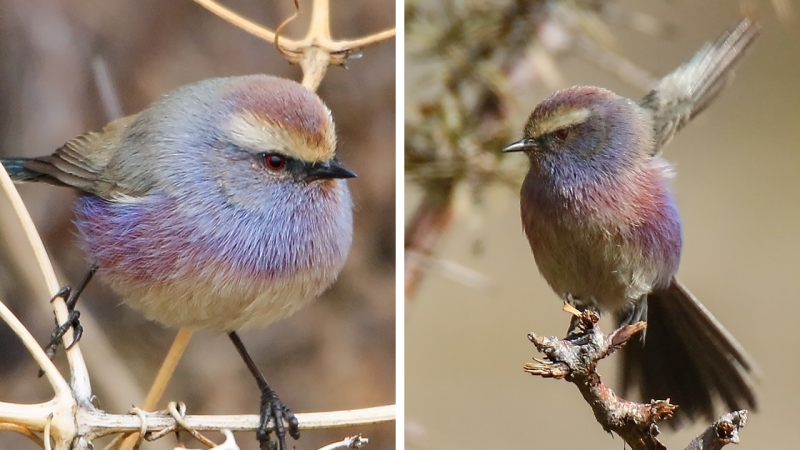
597 209
220 206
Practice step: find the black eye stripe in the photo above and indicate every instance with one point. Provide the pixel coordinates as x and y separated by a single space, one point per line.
274 161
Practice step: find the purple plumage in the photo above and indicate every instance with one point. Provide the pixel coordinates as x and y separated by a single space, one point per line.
223 267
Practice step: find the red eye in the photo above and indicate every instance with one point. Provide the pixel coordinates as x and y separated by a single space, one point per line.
275 162
562 134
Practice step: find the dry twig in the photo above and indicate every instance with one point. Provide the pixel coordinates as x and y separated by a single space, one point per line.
316 51
575 359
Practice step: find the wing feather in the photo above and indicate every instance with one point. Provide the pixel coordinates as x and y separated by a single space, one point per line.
81 162
690 88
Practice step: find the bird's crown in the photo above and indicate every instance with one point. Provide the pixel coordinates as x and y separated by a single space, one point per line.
275 114
564 109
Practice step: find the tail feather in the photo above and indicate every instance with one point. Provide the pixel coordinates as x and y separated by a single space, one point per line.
19 173
688 357
729 358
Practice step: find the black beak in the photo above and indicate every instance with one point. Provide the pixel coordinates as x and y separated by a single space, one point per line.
327 170
523 145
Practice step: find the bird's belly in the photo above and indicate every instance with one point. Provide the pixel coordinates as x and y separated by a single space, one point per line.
200 303
591 265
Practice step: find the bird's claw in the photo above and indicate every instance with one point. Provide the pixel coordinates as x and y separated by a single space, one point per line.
273 408
73 321
64 293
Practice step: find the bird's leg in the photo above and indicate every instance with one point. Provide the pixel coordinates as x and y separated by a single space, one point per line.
271 406
638 313
73 320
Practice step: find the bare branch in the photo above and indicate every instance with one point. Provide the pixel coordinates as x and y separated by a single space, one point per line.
163 376
316 51
23 431
722 432
240 21
349 442
575 359
349 46
93 423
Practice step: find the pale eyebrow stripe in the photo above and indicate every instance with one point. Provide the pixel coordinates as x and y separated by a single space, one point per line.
559 121
252 134
248 132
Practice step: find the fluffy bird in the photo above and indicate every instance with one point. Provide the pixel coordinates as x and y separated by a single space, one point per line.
220 206
606 234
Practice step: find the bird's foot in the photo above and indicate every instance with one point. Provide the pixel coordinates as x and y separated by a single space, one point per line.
637 314
273 408
73 321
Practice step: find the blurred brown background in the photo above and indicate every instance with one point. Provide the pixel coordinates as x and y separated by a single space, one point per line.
338 353
738 188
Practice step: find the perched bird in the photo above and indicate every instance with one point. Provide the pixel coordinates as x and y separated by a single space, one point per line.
221 206
605 232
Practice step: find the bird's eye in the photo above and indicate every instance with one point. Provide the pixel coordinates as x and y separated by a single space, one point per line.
562 134
275 161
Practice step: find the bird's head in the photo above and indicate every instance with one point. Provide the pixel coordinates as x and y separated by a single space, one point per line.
257 142
284 127
585 124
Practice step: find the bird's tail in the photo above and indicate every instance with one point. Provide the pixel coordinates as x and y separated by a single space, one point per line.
17 171
688 357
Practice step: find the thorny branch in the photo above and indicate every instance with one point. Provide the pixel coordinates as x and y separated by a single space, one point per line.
575 359
316 51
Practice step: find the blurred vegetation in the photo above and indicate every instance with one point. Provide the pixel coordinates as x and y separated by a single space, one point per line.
466 64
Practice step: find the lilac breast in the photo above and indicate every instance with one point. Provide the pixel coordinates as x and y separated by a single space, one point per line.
604 239
157 241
